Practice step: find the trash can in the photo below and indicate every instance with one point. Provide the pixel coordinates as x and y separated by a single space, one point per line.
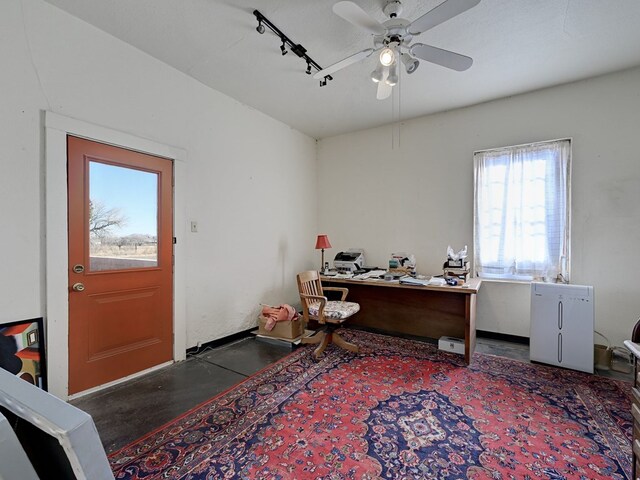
602 354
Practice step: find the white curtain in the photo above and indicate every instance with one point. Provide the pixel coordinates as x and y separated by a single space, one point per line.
521 211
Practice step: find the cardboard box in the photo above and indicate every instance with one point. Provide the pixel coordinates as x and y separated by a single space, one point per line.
292 329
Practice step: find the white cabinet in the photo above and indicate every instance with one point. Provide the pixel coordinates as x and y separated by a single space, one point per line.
562 323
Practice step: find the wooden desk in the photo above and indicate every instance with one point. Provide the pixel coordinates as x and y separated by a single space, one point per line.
423 311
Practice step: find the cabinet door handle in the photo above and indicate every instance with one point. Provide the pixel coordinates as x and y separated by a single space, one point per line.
560 315
560 348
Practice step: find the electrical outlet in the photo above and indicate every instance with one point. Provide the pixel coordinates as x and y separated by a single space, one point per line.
194 227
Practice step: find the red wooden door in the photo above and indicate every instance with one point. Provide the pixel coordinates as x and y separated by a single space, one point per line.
120 262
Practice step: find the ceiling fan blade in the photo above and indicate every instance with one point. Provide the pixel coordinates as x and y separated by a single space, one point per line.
445 58
384 89
443 12
356 57
352 13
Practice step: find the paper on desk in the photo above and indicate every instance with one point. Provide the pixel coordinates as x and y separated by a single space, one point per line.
370 274
408 280
343 275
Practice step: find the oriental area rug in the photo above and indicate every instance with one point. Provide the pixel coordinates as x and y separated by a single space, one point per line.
399 409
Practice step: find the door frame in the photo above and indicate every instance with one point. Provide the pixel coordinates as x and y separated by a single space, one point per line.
56 313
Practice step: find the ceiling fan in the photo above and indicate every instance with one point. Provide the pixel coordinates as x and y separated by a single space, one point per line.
393 37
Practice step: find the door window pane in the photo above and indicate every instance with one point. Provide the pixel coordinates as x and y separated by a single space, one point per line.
123 218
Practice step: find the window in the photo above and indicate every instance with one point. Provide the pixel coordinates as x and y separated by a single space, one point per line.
521 211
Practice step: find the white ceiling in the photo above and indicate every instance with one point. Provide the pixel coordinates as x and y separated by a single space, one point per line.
517 46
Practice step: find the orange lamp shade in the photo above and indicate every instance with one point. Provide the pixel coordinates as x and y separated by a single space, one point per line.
322 242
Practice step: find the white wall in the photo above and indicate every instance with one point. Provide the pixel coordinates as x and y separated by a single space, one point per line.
251 179
418 197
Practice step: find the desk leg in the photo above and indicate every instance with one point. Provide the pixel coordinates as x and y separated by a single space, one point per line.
469 328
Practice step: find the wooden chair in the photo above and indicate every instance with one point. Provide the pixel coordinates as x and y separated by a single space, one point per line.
329 314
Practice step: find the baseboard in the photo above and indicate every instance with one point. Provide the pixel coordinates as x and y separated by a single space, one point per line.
391 334
503 336
221 341
247 333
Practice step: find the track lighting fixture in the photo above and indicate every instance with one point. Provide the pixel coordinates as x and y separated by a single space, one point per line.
323 82
296 48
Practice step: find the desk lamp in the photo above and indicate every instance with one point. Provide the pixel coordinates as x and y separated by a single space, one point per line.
322 242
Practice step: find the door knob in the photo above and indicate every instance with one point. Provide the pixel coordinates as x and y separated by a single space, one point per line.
77 287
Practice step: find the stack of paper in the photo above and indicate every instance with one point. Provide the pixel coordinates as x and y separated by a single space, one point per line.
343 275
408 280
370 274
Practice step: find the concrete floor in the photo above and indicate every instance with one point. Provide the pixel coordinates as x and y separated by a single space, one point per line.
130 410
126 412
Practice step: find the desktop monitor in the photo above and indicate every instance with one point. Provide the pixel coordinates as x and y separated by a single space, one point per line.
60 440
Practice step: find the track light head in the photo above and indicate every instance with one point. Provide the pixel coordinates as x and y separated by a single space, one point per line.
283 48
324 81
308 68
260 28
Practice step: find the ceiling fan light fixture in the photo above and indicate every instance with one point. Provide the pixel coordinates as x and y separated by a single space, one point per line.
410 64
392 77
387 57
392 41
378 74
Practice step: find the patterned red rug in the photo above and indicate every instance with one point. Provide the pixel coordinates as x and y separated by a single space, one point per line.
399 409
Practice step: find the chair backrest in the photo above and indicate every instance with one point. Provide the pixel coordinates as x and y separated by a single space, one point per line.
309 284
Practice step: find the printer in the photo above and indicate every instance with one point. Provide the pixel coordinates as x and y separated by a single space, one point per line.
349 261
